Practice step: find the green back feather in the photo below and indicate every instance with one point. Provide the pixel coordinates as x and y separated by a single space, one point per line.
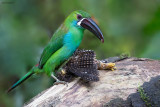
55 43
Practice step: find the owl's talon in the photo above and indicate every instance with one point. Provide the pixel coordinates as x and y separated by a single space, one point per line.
107 66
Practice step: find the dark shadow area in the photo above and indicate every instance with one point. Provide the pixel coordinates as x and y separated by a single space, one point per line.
150 94
118 102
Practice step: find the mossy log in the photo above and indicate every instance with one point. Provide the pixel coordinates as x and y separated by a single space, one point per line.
135 83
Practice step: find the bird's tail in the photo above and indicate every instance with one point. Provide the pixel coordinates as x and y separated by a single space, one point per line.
30 73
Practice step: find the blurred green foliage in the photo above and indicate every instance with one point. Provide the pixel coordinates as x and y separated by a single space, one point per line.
129 26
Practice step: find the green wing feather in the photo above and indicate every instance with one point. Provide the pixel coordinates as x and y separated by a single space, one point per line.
55 43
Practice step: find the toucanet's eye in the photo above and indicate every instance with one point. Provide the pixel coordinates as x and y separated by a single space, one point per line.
79 17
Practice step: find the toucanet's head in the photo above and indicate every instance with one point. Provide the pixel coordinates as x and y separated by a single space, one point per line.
82 20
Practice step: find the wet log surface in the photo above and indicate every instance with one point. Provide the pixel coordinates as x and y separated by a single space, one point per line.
135 83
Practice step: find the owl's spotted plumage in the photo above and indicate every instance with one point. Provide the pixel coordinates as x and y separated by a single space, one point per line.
82 64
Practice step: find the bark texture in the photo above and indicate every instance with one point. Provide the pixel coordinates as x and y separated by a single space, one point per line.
135 83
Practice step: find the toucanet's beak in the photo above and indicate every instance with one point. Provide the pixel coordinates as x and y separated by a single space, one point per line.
89 24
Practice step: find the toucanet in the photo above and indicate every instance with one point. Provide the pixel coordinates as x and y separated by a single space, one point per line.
63 44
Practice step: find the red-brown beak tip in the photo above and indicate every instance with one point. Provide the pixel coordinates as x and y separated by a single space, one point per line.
102 40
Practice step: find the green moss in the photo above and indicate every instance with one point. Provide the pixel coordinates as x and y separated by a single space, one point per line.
125 55
144 96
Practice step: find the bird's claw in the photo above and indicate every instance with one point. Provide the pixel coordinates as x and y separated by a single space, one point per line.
60 82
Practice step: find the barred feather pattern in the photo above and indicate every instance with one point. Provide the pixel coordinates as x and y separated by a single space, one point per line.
83 65
67 77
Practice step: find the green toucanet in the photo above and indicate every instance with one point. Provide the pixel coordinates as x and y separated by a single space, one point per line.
63 44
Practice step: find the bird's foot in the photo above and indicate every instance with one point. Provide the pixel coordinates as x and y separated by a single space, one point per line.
60 82
106 66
